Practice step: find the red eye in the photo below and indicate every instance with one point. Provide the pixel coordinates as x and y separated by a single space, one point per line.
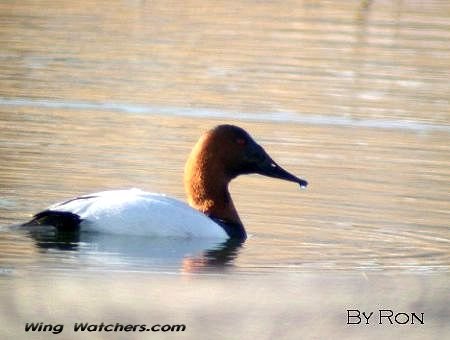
241 141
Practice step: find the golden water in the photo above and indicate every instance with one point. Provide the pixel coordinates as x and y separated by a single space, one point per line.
353 96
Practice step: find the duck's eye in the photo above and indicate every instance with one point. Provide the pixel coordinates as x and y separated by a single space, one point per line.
241 141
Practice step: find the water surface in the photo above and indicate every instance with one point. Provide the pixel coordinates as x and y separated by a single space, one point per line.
353 96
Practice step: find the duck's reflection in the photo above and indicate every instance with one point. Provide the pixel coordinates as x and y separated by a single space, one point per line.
189 255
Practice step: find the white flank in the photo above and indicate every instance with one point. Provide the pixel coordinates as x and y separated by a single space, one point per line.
136 212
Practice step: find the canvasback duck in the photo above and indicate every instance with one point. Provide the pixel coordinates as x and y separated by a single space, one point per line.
219 156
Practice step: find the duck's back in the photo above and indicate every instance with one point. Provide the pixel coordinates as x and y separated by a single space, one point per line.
132 212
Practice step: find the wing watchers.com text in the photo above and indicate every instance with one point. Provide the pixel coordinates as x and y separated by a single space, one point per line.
42 327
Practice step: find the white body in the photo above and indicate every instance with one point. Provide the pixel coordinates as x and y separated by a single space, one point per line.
135 212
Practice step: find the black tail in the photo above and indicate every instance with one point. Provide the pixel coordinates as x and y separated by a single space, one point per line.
61 220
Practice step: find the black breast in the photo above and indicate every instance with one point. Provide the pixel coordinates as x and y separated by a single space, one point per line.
233 230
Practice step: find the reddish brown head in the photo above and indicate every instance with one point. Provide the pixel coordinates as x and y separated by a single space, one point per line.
220 155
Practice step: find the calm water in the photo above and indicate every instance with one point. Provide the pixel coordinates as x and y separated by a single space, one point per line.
353 96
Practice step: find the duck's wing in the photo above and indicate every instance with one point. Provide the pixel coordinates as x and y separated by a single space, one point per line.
66 215
132 212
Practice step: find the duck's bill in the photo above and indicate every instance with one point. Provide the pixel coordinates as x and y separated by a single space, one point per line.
261 163
269 168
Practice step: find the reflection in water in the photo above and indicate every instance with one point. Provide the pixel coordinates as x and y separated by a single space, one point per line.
133 252
218 257
47 238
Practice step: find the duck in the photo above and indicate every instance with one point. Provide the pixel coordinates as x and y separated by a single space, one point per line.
220 155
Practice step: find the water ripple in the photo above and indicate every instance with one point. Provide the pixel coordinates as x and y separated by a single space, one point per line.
279 116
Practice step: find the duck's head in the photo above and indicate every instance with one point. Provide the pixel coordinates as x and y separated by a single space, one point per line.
220 155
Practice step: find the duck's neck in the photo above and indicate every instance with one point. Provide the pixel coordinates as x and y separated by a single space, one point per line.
206 186
213 199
